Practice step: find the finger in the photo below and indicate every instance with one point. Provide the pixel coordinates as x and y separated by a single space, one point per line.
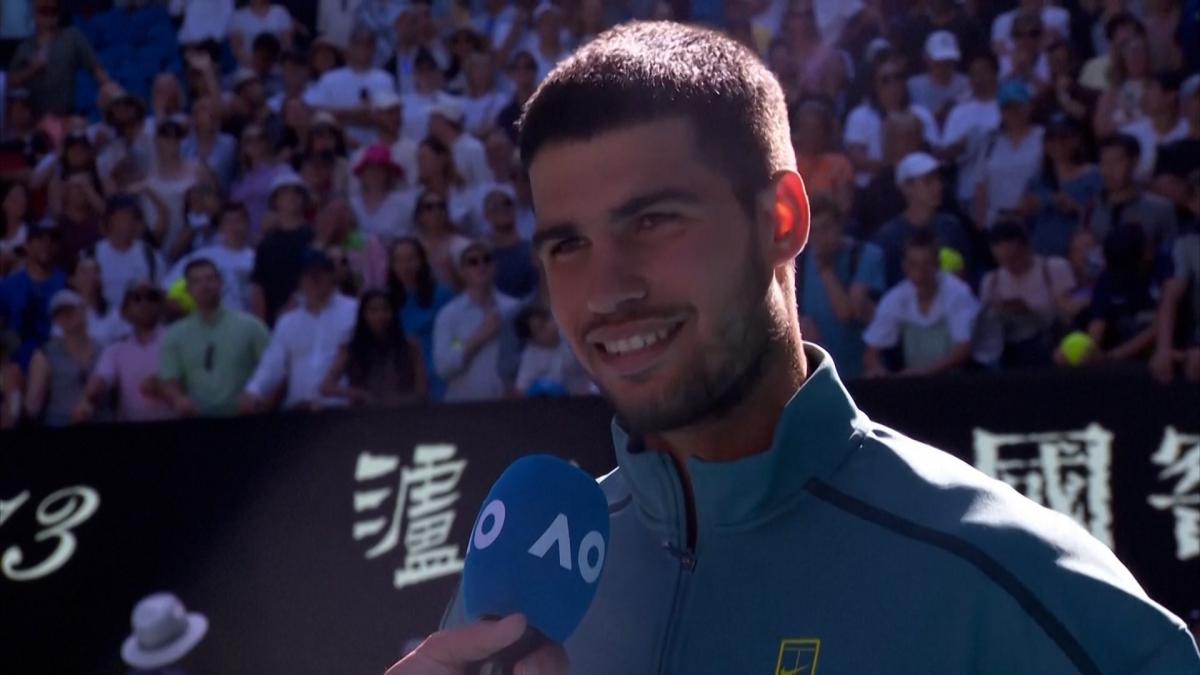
459 646
550 659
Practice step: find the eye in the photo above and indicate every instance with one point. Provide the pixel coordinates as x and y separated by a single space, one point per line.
650 221
566 246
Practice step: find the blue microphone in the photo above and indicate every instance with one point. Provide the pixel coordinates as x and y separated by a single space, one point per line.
538 547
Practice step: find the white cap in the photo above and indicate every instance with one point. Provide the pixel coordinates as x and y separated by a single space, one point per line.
65 298
915 165
384 99
448 108
942 46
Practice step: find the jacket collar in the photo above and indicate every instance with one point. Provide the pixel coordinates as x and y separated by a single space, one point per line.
818 430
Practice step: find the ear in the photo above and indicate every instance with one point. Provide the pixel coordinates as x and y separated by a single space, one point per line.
788 217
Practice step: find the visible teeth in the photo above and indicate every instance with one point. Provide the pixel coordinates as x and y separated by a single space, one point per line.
636 342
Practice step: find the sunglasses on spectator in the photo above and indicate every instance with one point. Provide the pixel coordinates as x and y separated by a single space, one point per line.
478 260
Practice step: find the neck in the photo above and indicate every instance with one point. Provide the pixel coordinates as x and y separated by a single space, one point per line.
76 338
925 294
207 313
143 334
438 184
291 221
749 428
36 270
206 135
1062 165
317 305
505 237
120 243
1122 195
1018 130
409 283
481 295
1022 265
919 214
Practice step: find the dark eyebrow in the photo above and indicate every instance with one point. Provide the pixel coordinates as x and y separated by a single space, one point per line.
561 231
637 203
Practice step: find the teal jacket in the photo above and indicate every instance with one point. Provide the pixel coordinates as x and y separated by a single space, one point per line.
849 548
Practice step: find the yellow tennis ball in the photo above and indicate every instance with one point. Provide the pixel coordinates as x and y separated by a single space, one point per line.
951 261
1077 347
179 293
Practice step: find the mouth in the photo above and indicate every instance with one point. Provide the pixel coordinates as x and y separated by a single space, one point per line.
636 348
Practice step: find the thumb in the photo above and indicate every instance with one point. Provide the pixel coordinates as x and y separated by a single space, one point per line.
461 646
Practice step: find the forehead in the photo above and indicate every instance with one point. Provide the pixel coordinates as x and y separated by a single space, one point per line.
577 180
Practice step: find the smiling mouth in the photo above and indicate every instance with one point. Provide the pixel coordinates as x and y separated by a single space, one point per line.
637 352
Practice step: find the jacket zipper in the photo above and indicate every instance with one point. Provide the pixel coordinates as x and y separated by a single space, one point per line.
686 555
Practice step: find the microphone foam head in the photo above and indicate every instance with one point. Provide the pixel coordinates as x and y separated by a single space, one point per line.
538 546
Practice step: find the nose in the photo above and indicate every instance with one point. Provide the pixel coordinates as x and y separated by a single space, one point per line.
616 280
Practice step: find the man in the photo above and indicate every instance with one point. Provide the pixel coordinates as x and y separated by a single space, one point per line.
346 92
231 253
941 85
919 178
1123 202
1178 160
516 274
754 503
409 19
927 318
123 255
305 342
912 32
208 357
1178 337
446 125
389 124
278 258
465 344
47 62
131 366
1161 124
838 280
970 124
1004 29
25 295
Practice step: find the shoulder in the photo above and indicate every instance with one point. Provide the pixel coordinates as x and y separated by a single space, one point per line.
955 288
896 296
246 321
616 491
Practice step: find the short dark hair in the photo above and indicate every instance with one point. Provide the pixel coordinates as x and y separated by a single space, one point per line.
123 202
1008 229
231 208
986 55
1128 144
267 42
648 71
921 239
196 264
1119 21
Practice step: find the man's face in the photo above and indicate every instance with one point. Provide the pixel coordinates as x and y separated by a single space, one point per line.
925 191
289 200
317 284
654 271
1006 253
478 269
41 248
234 228
46 14
361 51
143 306
1116 168
942 70
70 318
204 285
406 27
499 210
982 76
921 266
123 225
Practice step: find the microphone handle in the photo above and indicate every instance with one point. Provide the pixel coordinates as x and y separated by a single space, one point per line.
503 661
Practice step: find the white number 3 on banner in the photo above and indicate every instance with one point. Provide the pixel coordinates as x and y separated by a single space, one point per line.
58 514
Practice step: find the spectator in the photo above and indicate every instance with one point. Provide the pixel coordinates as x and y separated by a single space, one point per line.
545 43
419 298
438 236
1114 27
462 44
280 256
547 362
427 92
248 106
1180 159
522 70
1026 61
59 369
207 357
969 126
79 218
516 274
1087 262
919 179
166 98
1025 300
865 125
203 20
881 200
366 257
201 213
1161 122
929 317
1162 24
1121 103
501 156
821 69
232 255
838 279
1012 157
294 81
131 365
470 160
346 92
324 55
11 382
381 207
482 102
1123 307
129 153
170 178
258 173
1005 28
23 144
104 321
381 366
305 342
437 173
258 16
404 42
388 121
123 254
208 145
75 162
264 61
912 33
1178 338
1123 202
1063 94
500 22
46 63
465 347
825 171
14 225
941 85
1063 192
378 18
25 295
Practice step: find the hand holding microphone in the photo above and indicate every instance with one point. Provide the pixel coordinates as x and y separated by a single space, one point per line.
533 564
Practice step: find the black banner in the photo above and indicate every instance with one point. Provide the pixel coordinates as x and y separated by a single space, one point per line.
323 543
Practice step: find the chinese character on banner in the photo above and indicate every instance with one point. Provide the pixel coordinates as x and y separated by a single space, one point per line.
421 514
1179 455
1067 471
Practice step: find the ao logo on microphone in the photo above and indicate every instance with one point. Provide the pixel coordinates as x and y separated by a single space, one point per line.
590 557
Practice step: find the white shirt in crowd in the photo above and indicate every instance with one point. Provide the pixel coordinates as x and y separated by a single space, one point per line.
119 269
1054 19
953 304
553 364
235 265
864 127
477 379
1047 278
106 328
923 91
415 109
345 88
1149 139
335 20
1007 169
302 349
277 21
392 220
481 113
972 121
202 19
470 158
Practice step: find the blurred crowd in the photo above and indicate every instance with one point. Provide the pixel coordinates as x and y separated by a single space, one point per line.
210 209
